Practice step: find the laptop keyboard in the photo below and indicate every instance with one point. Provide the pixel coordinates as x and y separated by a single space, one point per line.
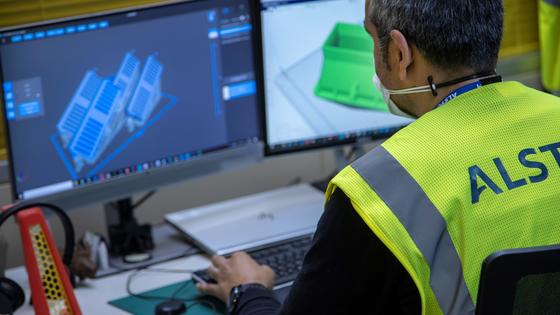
284 258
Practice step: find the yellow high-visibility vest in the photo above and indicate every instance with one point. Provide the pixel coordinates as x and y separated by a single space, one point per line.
549 26
477 175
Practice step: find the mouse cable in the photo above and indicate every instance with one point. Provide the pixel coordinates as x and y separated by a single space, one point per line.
195 301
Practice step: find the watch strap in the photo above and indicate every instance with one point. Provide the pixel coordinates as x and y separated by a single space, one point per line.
237 292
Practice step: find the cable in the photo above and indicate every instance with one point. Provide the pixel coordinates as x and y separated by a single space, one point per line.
143 199
66 224
163 298
117 267
150 297
352 153
164 270
195 301
179 289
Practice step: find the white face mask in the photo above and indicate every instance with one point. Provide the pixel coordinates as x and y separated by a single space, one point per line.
393 108
431 87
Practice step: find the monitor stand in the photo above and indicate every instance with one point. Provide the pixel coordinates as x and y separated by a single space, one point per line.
127 237
342 159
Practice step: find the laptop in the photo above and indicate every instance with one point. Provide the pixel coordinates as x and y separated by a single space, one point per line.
251 222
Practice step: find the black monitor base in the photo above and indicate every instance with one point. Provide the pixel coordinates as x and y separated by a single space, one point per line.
169 245
127 238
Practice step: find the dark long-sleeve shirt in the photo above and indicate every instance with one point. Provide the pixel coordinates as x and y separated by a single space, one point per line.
347 270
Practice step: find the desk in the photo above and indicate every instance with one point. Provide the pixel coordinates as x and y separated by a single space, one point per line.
93 295
288 204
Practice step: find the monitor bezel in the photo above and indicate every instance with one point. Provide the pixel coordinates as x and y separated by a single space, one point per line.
268 151
209 163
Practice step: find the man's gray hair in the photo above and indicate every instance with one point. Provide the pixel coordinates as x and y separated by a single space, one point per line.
450 34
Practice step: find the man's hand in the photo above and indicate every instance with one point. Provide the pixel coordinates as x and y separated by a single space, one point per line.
231 272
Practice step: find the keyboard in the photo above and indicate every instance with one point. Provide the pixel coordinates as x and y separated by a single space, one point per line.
284 258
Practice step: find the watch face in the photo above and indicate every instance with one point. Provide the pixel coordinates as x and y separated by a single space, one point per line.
237 292
234 296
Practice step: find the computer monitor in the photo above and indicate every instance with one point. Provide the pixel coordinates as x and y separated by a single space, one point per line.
318 68
102 106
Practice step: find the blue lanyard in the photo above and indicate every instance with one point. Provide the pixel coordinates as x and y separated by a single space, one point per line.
459 91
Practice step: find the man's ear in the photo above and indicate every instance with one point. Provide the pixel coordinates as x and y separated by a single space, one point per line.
402 54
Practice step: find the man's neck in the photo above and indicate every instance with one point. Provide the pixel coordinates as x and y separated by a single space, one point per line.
427 102
445 92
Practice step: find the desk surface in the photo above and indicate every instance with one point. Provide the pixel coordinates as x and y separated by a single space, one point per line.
93 294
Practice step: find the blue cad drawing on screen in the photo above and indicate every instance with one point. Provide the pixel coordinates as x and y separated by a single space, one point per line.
101 106
147 94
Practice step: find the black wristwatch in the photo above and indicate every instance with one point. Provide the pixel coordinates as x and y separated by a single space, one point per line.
236 293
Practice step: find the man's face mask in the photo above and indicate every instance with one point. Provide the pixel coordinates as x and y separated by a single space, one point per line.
393 108
431 87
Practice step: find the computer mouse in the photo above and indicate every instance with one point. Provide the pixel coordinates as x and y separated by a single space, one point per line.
171 307
202 276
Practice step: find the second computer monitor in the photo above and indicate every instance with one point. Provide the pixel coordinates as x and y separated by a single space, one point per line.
318 68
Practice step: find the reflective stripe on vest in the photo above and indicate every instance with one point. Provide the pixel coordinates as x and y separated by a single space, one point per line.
402 194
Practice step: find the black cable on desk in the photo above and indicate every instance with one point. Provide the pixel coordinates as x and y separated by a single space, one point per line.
195 301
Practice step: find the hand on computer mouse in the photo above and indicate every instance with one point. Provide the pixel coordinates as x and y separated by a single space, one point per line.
240 268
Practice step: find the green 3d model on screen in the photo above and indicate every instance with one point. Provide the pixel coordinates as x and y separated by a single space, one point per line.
348 69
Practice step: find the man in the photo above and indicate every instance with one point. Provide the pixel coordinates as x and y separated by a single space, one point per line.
407 226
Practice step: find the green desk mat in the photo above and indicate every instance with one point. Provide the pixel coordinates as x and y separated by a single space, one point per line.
182 290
